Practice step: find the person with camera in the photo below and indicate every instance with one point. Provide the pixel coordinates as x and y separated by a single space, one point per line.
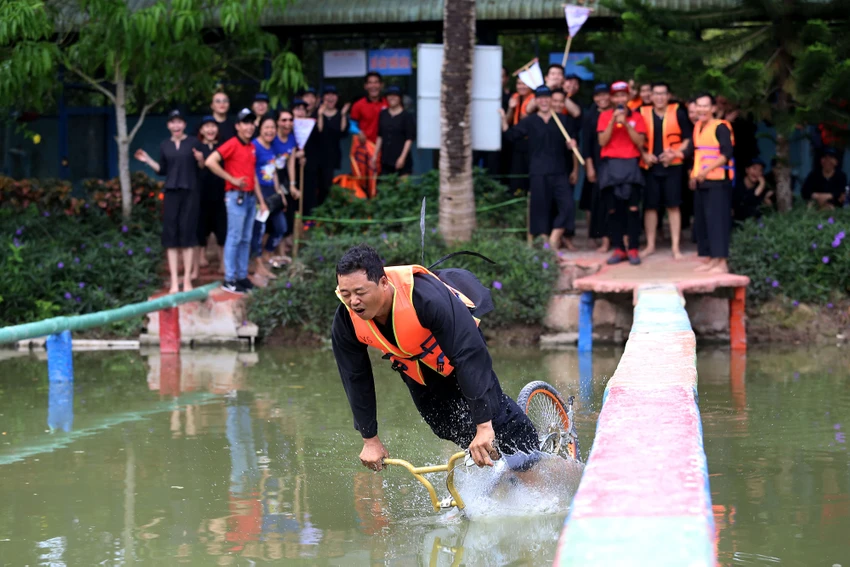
242 194
621 137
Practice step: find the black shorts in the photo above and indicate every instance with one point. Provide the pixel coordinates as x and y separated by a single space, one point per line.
446 411
610 195
180 218
663 190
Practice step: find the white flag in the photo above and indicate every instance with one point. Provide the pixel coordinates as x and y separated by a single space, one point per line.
533 76
576 16
302 128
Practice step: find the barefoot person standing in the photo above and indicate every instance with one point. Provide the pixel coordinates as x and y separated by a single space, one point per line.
711 179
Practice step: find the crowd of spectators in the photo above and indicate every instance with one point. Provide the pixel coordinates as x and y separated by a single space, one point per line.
649 154
240 179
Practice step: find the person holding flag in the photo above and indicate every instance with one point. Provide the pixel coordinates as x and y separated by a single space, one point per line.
303 129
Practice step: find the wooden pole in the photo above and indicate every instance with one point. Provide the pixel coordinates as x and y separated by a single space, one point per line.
528 237
566 135
524 67
299 224
566 51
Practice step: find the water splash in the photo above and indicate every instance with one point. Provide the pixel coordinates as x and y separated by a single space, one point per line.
547 488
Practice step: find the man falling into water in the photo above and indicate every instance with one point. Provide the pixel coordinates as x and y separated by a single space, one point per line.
426 325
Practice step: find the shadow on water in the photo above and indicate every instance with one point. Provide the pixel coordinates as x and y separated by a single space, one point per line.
224 458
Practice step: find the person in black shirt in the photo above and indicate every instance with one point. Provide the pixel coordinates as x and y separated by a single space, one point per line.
396 132
591 199
178 162
751 193
212 216
550 162
467 406
332 125
824 188
220 105
311 156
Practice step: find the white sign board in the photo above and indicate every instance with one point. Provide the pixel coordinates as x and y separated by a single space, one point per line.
486 97
344 63
302 128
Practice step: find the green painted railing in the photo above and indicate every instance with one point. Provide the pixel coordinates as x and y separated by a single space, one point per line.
90 320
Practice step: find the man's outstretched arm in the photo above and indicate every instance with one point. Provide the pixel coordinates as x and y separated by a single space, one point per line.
355 370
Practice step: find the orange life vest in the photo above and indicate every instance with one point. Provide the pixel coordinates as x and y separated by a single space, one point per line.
707 150
415 344
671 132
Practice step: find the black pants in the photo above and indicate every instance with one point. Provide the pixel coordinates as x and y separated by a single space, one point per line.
326 179
443 407
552 203
212 216
713 218
622 219
598 212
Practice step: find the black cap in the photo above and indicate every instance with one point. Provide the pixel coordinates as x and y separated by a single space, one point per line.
308 90
246 115
298 102
569 76
829 151
209 118
543 91
329 89
600 88
176 115
757 161
393 90
261 97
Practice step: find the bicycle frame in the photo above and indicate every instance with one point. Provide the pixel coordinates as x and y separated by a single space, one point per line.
452 501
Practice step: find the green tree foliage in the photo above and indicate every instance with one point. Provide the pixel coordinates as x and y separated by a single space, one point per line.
138 55
785 61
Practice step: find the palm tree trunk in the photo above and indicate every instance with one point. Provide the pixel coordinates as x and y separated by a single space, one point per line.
782 174
457 199
123 141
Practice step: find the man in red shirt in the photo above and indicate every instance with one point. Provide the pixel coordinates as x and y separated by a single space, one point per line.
621 137
364 115
242 193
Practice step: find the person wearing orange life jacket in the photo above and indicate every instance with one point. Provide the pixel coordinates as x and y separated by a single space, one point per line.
712 176
668 129
425 324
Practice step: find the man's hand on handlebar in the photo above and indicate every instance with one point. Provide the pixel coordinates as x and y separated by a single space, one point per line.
482 449
373 454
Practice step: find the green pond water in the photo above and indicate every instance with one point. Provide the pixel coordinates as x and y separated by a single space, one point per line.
224 458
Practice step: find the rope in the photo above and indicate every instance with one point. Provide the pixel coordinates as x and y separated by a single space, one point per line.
409 219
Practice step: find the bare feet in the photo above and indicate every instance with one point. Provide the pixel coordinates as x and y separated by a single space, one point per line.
718 269
568 244
203 260
648 251
187 285
195 273
174 289
677 255
262 271
708 266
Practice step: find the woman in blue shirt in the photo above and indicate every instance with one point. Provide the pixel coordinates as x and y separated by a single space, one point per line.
268 148
286 173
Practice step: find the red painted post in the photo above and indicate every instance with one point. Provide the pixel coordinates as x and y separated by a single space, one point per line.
169 330
737 319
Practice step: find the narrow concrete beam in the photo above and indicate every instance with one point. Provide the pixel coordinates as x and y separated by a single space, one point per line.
644 497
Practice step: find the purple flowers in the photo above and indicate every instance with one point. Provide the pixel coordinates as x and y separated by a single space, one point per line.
124 228
545 265
825 259
147 249
76 260
288 285
795 303
497 285
830 220
836 243
321 258
20 231
829 306
290 302
767 280
46 214
839 437
60 265
107 245
82 246
814 245
16 242
776 256
88 266
82 285
384 235
546 246
820 227
68 295
120 245
129 252
774 283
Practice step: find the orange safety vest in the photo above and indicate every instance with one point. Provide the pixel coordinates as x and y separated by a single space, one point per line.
671 132
707 150
415 344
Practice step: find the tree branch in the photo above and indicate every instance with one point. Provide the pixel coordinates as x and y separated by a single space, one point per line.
103 90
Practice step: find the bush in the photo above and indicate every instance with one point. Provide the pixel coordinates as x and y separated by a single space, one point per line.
55 264
398 199
802 255
521 282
